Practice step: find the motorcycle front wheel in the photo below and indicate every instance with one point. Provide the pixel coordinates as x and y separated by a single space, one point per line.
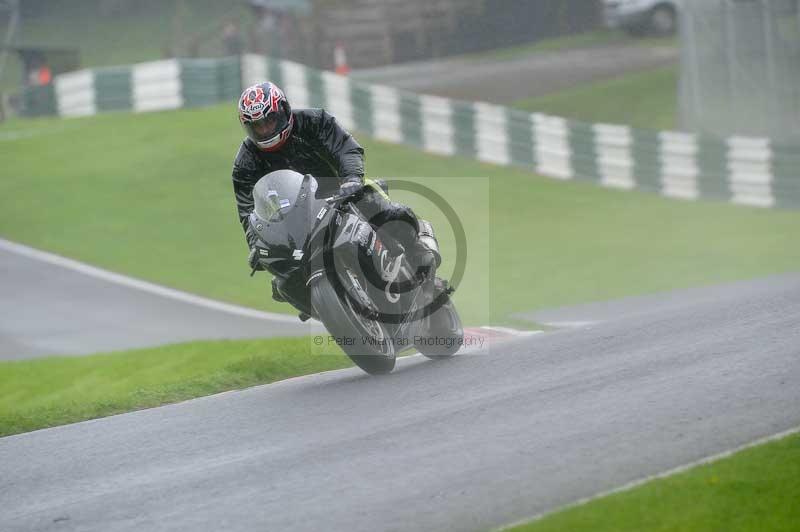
365 341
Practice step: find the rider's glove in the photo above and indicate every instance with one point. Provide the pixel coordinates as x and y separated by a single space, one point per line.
350 187
254 258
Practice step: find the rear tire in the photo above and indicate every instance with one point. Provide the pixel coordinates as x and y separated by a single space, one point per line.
445 334
343 322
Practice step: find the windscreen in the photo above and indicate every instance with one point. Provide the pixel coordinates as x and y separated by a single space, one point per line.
276 193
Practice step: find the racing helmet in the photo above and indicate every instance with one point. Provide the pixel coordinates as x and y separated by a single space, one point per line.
266 116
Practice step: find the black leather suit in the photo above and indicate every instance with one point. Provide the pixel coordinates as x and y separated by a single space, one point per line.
320 147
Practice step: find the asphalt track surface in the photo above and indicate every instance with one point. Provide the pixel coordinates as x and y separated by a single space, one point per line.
48 309
509 80
478 441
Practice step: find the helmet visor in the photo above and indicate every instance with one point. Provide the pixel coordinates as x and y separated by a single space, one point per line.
267 130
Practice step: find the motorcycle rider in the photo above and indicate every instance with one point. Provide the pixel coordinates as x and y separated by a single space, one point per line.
310 141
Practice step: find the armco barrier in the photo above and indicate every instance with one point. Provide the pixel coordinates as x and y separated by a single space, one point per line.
746 171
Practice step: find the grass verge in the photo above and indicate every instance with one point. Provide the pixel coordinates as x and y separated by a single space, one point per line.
46 392
756 489
150 196
646 99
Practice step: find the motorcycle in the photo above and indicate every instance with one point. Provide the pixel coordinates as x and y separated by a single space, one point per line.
331 264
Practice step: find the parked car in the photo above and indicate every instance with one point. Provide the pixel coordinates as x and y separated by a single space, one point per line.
640 17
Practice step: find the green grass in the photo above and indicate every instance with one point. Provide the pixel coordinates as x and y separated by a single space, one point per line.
587 39
53 391
646 99
150 196
756 489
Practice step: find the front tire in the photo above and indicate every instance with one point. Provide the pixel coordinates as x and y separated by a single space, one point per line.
344 322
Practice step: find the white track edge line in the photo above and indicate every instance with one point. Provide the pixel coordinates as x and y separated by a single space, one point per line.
509 331
145 286
644 480
570 324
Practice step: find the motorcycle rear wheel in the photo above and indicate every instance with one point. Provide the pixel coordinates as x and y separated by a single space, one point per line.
444 335
372 348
